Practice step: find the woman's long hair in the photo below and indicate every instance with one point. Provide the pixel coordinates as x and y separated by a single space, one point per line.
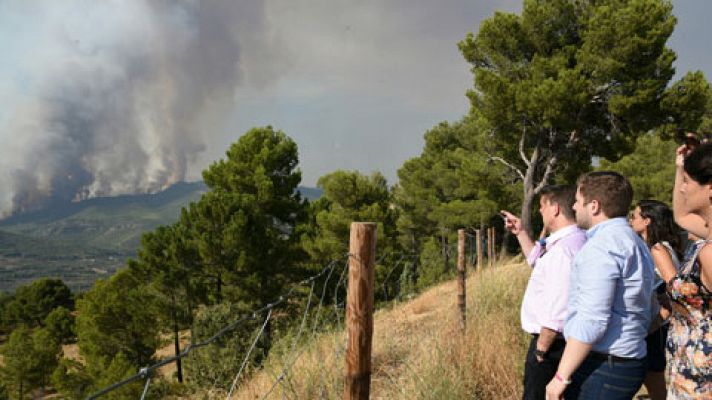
662 227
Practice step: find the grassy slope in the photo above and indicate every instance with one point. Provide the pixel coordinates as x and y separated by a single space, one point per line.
418 351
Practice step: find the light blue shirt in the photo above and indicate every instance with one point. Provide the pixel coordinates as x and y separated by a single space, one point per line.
611 286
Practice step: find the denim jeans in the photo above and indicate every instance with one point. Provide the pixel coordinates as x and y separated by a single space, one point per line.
598 379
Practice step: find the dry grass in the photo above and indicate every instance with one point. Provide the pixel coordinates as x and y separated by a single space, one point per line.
418 349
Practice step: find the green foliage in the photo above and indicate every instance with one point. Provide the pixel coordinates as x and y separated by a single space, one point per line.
432 267
245 224
169 260
117 316
564 81
688 104
60 324
650 168
120 368
32 303
46 351
349 196
451 185
217 364
29 358
71 379
18 360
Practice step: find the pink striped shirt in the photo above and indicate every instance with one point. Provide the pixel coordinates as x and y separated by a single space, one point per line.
545 301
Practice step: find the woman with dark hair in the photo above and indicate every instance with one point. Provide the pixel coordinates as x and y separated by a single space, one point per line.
653 221
690 335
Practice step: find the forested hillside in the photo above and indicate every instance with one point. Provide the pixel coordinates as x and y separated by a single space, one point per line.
83 241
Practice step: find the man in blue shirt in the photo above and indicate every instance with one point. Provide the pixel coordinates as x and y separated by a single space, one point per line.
609 308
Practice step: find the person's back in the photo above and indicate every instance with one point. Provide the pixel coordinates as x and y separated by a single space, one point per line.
618 255
609 299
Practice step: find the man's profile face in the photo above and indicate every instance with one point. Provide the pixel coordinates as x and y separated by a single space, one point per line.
583 215
547 209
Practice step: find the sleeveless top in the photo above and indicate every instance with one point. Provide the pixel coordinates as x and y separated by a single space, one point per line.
690 337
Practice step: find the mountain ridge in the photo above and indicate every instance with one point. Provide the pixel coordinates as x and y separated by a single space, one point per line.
82 241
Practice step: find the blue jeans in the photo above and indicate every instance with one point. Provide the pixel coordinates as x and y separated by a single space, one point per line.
598 379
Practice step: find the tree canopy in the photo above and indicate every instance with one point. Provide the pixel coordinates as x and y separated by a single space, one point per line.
564 81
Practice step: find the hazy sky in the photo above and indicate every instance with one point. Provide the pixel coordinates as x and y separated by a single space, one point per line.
131 95
364 80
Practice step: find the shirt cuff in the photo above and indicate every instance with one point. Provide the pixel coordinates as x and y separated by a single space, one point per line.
557 326
586 331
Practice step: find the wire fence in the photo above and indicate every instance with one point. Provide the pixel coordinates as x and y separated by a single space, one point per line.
147 372
312 320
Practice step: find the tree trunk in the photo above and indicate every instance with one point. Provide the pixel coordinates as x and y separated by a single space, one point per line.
446 257
505 239
176 341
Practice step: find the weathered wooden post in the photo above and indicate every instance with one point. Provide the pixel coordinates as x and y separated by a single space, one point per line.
489 246
494 246
359 310
480 256
461 277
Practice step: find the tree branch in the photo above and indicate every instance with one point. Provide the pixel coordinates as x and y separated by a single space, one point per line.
511 166
547 173
521 147
555 159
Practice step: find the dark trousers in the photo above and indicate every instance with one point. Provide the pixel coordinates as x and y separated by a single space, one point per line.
538 374
609 379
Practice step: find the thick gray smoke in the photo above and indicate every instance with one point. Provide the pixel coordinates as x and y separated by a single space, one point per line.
114 97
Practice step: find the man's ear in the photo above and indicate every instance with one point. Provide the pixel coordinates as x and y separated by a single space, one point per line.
595 207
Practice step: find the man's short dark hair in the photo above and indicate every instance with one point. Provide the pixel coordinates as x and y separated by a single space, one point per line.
564 196
611 189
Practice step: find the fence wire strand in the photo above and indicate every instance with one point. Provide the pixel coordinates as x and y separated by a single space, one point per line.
318 321
145 372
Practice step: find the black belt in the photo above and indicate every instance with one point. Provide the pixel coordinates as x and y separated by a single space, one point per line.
596 356
558 336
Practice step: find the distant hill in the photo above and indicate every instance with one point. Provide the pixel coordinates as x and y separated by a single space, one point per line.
82 241
114 223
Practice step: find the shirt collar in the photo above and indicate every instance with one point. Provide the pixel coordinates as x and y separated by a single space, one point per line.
618 221
563 232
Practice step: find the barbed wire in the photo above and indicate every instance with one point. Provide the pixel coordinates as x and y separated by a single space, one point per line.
146 371
252 347
288 365
294 354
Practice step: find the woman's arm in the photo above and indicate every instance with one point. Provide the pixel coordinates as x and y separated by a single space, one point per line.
663 262
705 259
690 222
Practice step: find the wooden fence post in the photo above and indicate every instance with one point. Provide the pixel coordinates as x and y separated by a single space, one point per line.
359 310
494 246
461 276
489 246
478 238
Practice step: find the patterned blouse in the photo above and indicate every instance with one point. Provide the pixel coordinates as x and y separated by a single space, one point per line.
690 337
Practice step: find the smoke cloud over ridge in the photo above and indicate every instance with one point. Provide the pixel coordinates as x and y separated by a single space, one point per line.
106 98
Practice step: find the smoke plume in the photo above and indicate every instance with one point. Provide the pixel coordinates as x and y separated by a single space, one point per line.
114 97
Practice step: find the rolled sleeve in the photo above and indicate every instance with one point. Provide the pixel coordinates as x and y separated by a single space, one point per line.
595 286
